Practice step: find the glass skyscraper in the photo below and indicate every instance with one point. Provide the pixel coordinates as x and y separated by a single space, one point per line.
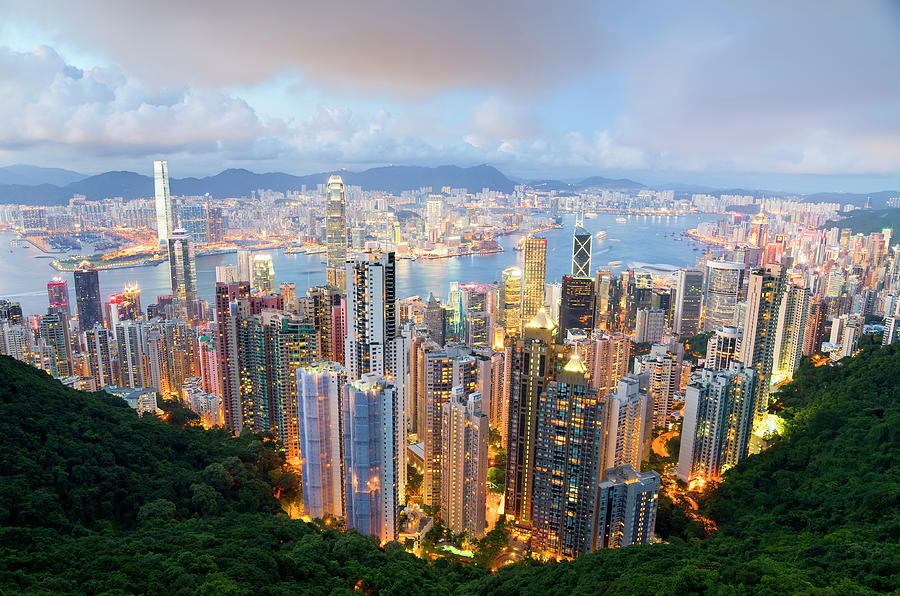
335 232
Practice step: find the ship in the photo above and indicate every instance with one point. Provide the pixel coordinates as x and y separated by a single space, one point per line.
621 220
601 235
614 263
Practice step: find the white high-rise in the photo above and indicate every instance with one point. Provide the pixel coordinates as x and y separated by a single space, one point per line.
371 315
626 425
164 223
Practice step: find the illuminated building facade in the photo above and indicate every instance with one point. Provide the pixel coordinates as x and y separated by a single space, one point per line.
335 232
464 463
164 219
535 275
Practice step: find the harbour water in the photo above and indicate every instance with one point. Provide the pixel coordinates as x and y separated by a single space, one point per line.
25 271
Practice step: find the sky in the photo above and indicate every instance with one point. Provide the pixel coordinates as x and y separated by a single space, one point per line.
801 96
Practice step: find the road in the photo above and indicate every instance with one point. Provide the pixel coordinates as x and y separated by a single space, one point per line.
658 446
514 552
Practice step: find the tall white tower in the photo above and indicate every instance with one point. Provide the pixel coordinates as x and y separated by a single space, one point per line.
164 222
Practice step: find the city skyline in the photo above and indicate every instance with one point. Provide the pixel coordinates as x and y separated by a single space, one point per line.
805 115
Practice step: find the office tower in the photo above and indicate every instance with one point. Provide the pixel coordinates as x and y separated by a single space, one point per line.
764 294
320 429
87 295
371 315
581 252
576 306
723 291
609 312
226 345
609 362
477 322
626 508
98 355
454 316
215 227
208 357
791 324
464 463
164 220
58 296
195 221
54 330
130 302
567 464
335 233
11 312
534 360
664 370
288 291
535 275
439 372
626 422
434 320
263 273
129 340
325 300
814 333
370 428
226 274
718 420
649 325
688 302
552 298
723 348
511 299
245 265
183 274
759 226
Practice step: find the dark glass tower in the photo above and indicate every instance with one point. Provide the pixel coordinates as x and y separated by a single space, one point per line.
87 295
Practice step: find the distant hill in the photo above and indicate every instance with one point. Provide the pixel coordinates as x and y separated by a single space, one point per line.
866 221
240 182
34 175
878 199
610 183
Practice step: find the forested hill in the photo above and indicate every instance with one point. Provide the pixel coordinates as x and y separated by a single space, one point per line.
94 499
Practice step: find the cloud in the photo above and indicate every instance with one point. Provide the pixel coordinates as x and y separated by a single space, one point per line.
102 111
408 47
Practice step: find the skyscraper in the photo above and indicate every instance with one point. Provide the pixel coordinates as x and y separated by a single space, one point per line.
815 326
371 315
723 290
164 219
434 320
723 348
535 276
626 425
791 325
664 370
54 330
626 508
764 294
58 296
129 338
320 387
718 420
183 274
581 253
263 273
226 346
195 221
568 463
87 295
335 232
511 299
610 361
649 325
99 358
464 463
534 359
576 307
370 427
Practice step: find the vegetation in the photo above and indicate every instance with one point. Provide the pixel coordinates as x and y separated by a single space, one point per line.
94 499
695 347
866 221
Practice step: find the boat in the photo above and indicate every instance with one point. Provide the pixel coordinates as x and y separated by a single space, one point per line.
614 263
621 220
590 215
601 235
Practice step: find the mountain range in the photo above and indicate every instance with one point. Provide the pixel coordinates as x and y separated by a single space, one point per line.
33 185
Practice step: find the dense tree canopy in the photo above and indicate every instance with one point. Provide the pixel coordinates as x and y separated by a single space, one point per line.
94 499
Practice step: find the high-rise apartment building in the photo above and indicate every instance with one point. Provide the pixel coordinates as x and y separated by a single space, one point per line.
719 409
535 275
371 418
335 232
129 338
664 370
511 299
320 388
183 274
814 334
164 217
649 325
87 296
97 339
626 508
464 463
54 330
609 362
627 425
723 348
227 295
568 463
764 294
789 330
723 291
371 315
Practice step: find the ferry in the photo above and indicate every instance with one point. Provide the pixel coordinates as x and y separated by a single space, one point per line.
601 235
621 220
590 215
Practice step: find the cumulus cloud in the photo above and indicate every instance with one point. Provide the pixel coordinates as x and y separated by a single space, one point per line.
411 47
101 110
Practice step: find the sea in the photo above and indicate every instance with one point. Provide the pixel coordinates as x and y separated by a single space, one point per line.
638 241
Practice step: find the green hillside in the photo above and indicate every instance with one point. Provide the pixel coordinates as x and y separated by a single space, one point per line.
866 221
94 499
